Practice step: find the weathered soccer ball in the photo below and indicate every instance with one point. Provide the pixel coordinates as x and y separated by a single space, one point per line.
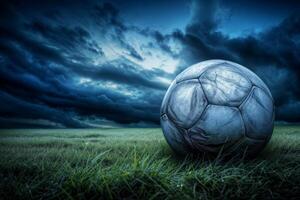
217 107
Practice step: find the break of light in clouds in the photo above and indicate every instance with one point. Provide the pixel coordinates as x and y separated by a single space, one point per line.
97 64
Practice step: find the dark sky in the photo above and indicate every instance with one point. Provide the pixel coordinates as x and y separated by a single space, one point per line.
69 63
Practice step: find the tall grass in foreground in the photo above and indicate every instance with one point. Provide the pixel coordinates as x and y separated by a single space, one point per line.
138 164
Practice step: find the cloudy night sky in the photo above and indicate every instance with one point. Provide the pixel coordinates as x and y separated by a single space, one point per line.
109 63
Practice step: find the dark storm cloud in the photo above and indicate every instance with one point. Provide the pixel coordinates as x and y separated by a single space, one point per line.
108 16
76 37
40 60
272 54
58 67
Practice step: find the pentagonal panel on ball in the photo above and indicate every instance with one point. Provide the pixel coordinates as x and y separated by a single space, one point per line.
225 85
186 104
251 76
173 135
218 125
257 113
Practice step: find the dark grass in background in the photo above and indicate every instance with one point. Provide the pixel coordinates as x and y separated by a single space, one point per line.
138 164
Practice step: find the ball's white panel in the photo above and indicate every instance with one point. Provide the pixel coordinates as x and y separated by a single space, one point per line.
257 113
186 104
219 125
165 101
225 85
252 77
196 70
174 135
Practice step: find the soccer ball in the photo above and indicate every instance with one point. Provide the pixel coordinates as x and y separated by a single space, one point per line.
217 107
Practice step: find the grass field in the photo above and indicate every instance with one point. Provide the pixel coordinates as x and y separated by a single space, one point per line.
138 164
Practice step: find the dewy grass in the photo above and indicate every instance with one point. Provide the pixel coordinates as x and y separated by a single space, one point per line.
138 164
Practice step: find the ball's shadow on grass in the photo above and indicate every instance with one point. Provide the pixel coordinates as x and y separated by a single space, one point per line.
200 159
